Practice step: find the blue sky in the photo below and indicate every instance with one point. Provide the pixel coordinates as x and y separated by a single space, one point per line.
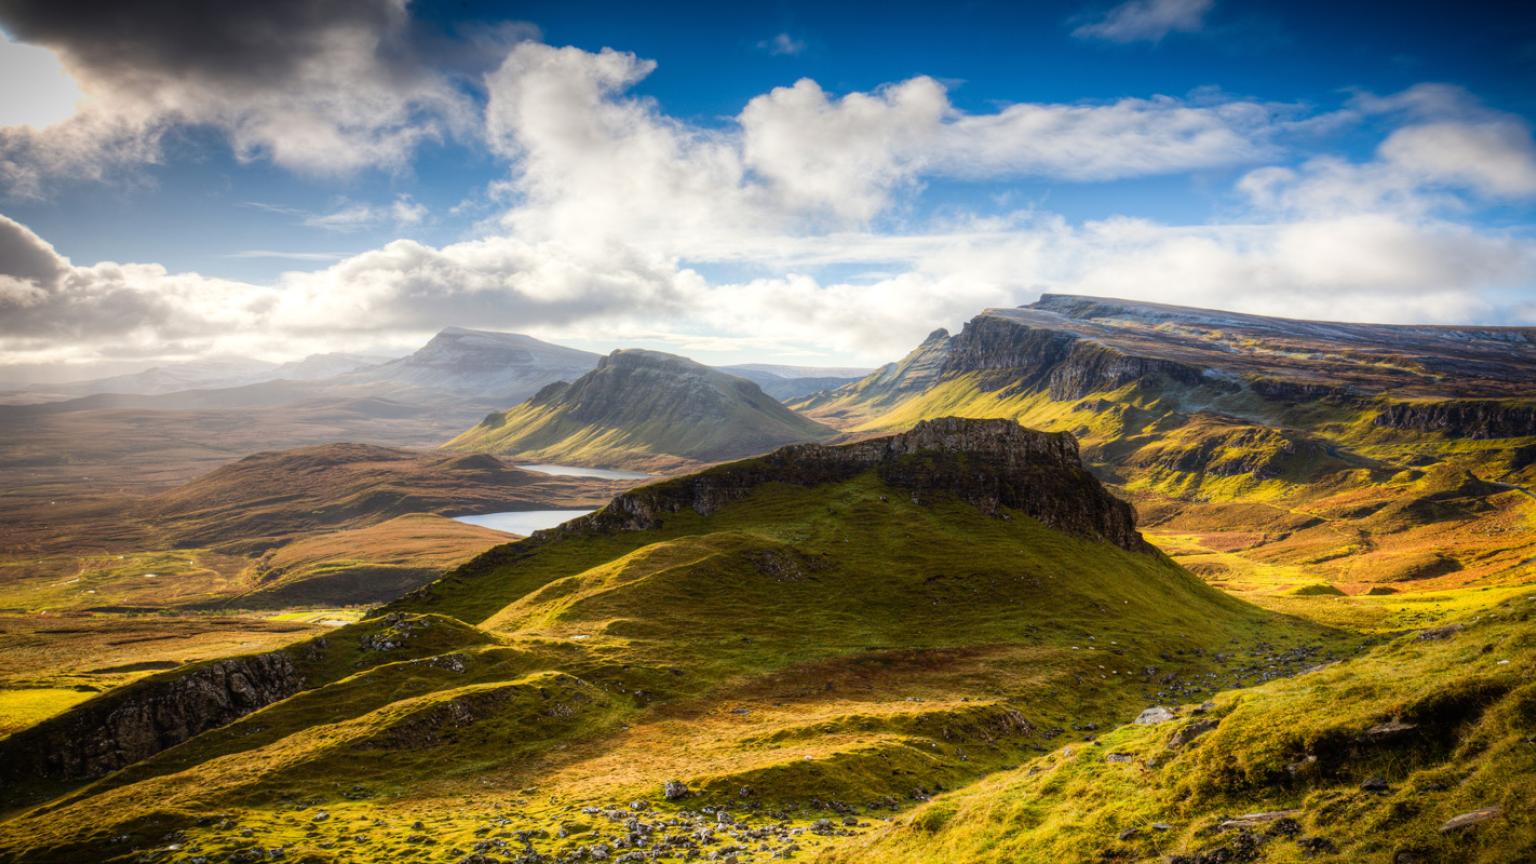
657 182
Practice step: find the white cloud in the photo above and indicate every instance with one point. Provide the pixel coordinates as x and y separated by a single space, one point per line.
595 163
1147 20
34 89
1451 149
614 212
782 45
1494 158
402 213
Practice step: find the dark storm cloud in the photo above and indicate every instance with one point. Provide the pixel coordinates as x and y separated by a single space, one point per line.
235 44
322 87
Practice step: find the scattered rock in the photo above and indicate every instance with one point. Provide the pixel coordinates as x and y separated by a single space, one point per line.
1189 733
1445 632
1390 729
1375 784
675 790
1155 714
1251 820
1467 820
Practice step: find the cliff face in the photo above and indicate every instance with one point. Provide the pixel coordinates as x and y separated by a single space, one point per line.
990 464
144 718
1480 419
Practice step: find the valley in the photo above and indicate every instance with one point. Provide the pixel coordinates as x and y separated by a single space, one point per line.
1088 580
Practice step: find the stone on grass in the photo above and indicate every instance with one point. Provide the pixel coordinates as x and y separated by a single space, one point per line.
1467 820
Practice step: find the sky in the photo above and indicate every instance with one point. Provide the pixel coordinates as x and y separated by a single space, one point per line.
805 183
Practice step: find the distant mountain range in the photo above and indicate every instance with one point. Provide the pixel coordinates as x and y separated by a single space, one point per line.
645 410
788 383
208 374
484 366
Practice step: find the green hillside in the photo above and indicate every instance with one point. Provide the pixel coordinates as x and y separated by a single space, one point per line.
1423 749
808 641
644 410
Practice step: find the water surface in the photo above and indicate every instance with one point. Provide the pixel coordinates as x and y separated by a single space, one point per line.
523 522
578 471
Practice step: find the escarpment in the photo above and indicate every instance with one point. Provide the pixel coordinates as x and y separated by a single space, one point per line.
142 719
1471 418
991 464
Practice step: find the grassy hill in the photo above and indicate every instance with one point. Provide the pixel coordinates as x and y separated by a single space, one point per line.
1419 750
644 410
808 642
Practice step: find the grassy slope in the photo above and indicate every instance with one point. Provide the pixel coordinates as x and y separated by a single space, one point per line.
374 564
1345 503
1303 744
822 645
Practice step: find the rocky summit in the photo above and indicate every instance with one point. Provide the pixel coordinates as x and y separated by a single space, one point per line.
646 410
995 465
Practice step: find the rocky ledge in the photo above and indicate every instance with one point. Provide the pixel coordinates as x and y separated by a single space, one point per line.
143 718
1481 419
991 464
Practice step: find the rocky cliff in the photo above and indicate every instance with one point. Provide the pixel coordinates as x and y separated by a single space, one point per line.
142 719
1006 352
992 464
1471 418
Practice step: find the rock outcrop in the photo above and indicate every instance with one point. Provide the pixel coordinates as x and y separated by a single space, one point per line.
144 718
992 464
1471 418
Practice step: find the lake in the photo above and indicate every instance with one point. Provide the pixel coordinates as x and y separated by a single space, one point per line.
578 471
523 522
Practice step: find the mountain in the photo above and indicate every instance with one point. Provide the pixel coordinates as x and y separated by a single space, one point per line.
1272 455
485 366
644 410
764 659
209 374
787 383
317 367
206 373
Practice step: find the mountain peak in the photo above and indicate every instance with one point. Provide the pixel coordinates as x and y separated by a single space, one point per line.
482 364
647 410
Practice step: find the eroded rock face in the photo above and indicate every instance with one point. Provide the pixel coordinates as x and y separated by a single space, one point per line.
992 464
1020 357
1472 418
148 717
1093 368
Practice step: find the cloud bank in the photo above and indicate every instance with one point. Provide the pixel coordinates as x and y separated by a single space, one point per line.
618 219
